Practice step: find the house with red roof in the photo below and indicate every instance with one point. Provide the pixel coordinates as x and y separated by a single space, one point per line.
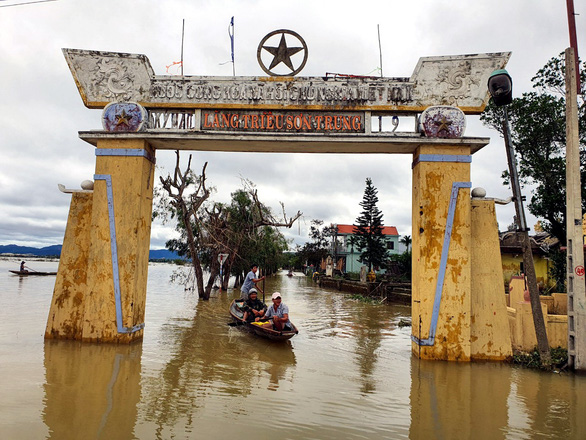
345 253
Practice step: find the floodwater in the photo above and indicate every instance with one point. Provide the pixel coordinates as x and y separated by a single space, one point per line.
349 374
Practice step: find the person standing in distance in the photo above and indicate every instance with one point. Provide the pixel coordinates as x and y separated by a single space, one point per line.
249 282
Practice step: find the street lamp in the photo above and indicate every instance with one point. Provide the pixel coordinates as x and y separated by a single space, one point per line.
500 87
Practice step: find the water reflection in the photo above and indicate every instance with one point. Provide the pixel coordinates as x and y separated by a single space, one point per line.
91 391
210 362
349 374
453 400
494 401
370 324
546 404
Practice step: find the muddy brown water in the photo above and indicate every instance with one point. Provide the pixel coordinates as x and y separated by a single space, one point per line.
349 374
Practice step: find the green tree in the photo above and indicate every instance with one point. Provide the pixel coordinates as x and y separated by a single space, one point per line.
406 240
538 132
369 230
403 262
244 229
318 247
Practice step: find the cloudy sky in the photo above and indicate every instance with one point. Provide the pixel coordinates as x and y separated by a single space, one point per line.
41 111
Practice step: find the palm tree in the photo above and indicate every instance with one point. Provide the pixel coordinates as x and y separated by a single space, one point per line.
406 240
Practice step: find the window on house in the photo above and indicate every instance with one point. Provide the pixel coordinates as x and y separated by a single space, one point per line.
390 245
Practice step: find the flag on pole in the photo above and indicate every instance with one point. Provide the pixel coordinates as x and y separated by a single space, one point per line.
231 33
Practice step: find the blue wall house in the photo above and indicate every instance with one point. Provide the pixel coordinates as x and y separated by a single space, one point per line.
346 255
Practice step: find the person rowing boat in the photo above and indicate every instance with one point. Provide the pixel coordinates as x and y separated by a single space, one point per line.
250 282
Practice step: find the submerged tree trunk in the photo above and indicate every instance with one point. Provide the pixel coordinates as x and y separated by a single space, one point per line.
227 270
214 272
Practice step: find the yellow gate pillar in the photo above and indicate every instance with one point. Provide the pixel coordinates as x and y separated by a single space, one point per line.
67 307
490 334
120 239
109 246
441 277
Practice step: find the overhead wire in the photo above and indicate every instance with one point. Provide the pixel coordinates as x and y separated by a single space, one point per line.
26 3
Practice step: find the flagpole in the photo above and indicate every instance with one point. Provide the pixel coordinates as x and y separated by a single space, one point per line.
232 45
182 39
380 52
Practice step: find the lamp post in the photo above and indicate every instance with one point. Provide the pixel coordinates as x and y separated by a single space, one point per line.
500 87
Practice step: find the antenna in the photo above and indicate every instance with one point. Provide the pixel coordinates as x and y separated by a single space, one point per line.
182 39
380 52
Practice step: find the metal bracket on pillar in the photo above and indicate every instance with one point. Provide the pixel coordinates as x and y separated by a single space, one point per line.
114 249
443 264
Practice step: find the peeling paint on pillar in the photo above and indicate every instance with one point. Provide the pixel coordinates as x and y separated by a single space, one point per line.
67 307
132 187
491 336
432 188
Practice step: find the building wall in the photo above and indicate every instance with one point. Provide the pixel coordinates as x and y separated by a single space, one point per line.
512 267
352 254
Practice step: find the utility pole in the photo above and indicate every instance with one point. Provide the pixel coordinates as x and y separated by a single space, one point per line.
500 87
576 286
523 230
573 40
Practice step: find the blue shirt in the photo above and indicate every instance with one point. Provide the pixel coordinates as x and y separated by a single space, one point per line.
281 311
248 283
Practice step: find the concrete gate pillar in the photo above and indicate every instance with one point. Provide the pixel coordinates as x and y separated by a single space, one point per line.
110 305
441 279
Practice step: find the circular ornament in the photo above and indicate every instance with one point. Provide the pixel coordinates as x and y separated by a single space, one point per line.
124 117
282 53
443 121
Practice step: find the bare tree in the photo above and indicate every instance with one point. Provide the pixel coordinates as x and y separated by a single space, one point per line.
212 230
186 207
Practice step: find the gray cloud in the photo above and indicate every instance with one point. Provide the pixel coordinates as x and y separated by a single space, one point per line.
41 111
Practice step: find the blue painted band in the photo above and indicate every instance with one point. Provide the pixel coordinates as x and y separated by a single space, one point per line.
114 250
443 264
125 152
459 158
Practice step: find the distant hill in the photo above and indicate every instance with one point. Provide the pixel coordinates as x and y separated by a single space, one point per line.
55 251
49 251
163 254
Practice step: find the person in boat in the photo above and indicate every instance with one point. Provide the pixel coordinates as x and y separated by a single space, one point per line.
254 308
278 313
23 267
250 281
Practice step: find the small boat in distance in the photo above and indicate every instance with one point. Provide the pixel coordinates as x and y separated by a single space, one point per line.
25 273
275 335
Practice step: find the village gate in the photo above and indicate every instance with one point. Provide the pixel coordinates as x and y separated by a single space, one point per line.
458 305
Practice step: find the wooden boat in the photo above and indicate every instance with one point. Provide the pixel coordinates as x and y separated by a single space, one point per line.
237 315
25 273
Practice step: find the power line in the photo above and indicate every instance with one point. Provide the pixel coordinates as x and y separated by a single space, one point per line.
26 3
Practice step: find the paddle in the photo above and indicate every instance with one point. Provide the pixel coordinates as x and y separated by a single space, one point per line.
263 287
